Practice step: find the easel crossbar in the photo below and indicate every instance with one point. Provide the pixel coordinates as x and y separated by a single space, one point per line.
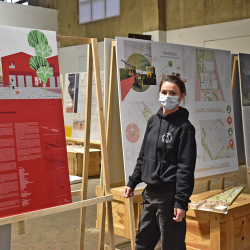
72 39
54 210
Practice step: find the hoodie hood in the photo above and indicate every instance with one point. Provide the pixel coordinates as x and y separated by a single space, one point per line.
181 112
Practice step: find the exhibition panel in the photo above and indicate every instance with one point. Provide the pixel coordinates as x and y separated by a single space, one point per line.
33 161
141 65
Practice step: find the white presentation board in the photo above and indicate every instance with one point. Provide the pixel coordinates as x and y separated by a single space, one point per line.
75 105
141 66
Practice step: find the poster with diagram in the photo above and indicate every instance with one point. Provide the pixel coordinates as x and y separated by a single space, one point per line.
75 105
33 159
141 65
244 73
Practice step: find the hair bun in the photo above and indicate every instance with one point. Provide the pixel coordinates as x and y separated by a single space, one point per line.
178 75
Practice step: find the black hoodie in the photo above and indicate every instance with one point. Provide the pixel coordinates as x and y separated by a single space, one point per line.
170 165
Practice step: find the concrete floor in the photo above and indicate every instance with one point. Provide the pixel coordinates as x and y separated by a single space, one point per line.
61 231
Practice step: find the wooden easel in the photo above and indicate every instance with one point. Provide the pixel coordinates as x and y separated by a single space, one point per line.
235 67
92 60
109 118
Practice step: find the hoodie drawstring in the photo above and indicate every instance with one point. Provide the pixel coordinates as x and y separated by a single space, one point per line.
163 150
157 142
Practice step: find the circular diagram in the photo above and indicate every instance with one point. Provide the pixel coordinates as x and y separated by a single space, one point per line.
132 133
230 131
229 120
231 143
144 72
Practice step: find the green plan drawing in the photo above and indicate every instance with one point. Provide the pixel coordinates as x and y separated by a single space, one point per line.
208 86
216 140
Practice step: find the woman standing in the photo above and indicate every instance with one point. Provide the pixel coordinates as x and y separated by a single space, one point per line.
166 164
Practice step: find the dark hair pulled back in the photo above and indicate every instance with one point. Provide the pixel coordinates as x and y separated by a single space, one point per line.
174 79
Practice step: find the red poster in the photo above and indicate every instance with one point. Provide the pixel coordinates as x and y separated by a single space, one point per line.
33 157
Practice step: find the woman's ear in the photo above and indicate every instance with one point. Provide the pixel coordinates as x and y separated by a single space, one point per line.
182 97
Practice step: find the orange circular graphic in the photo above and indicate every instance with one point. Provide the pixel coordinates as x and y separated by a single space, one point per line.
231 143
132 133
229 120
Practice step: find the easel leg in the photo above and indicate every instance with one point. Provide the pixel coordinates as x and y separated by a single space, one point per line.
109 116
235 180
102 226
214 231
86 146
208 185
110 225
131 222
20 227
82 227
248 180
61 85
222 183
103 139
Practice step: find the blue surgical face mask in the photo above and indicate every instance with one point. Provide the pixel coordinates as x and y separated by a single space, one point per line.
168 102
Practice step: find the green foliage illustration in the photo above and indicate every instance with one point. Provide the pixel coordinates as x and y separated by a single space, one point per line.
43 50
36 37
37 61
41 65
39 42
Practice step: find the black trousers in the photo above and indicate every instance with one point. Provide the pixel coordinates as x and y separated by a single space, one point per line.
157 222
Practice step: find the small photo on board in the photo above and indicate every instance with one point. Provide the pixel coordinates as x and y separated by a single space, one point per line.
78 122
